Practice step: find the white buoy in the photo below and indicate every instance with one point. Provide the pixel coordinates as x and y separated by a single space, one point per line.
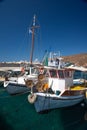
32 98
82 104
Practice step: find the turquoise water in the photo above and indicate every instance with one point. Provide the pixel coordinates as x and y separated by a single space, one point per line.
17 114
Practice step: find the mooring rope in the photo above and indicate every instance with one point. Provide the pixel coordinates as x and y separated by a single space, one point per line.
22 93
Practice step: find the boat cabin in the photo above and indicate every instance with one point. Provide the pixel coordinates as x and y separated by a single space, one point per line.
60 79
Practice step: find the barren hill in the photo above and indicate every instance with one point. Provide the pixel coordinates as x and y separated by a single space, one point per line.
77 59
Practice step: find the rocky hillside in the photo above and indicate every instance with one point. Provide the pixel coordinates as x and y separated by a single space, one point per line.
78 59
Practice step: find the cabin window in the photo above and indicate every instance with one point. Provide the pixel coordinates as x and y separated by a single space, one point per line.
16 73
53 73
60 73
68 73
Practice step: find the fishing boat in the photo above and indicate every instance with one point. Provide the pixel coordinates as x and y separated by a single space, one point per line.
54 89
80 74
17 84
3 74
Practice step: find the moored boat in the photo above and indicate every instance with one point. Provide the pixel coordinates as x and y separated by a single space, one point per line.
55 90
16 84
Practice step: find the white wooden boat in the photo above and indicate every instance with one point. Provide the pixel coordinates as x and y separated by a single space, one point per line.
54 91
16 84
49 101
82 71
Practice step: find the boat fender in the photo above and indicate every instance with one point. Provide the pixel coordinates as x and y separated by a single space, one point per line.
32 98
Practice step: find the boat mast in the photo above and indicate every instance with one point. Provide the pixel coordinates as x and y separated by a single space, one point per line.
34 26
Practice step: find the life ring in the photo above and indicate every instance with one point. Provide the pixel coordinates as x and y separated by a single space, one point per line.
29 83
32 98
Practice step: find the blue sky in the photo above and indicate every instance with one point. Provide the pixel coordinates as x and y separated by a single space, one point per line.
63 27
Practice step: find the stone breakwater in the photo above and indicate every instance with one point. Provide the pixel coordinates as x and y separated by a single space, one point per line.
10 68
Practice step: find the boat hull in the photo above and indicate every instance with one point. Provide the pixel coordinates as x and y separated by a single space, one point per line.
16 88
44 103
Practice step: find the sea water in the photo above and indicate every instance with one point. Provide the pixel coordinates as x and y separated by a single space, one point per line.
16 113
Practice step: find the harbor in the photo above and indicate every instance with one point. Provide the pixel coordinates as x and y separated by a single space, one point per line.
16 113
43 65
43 94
